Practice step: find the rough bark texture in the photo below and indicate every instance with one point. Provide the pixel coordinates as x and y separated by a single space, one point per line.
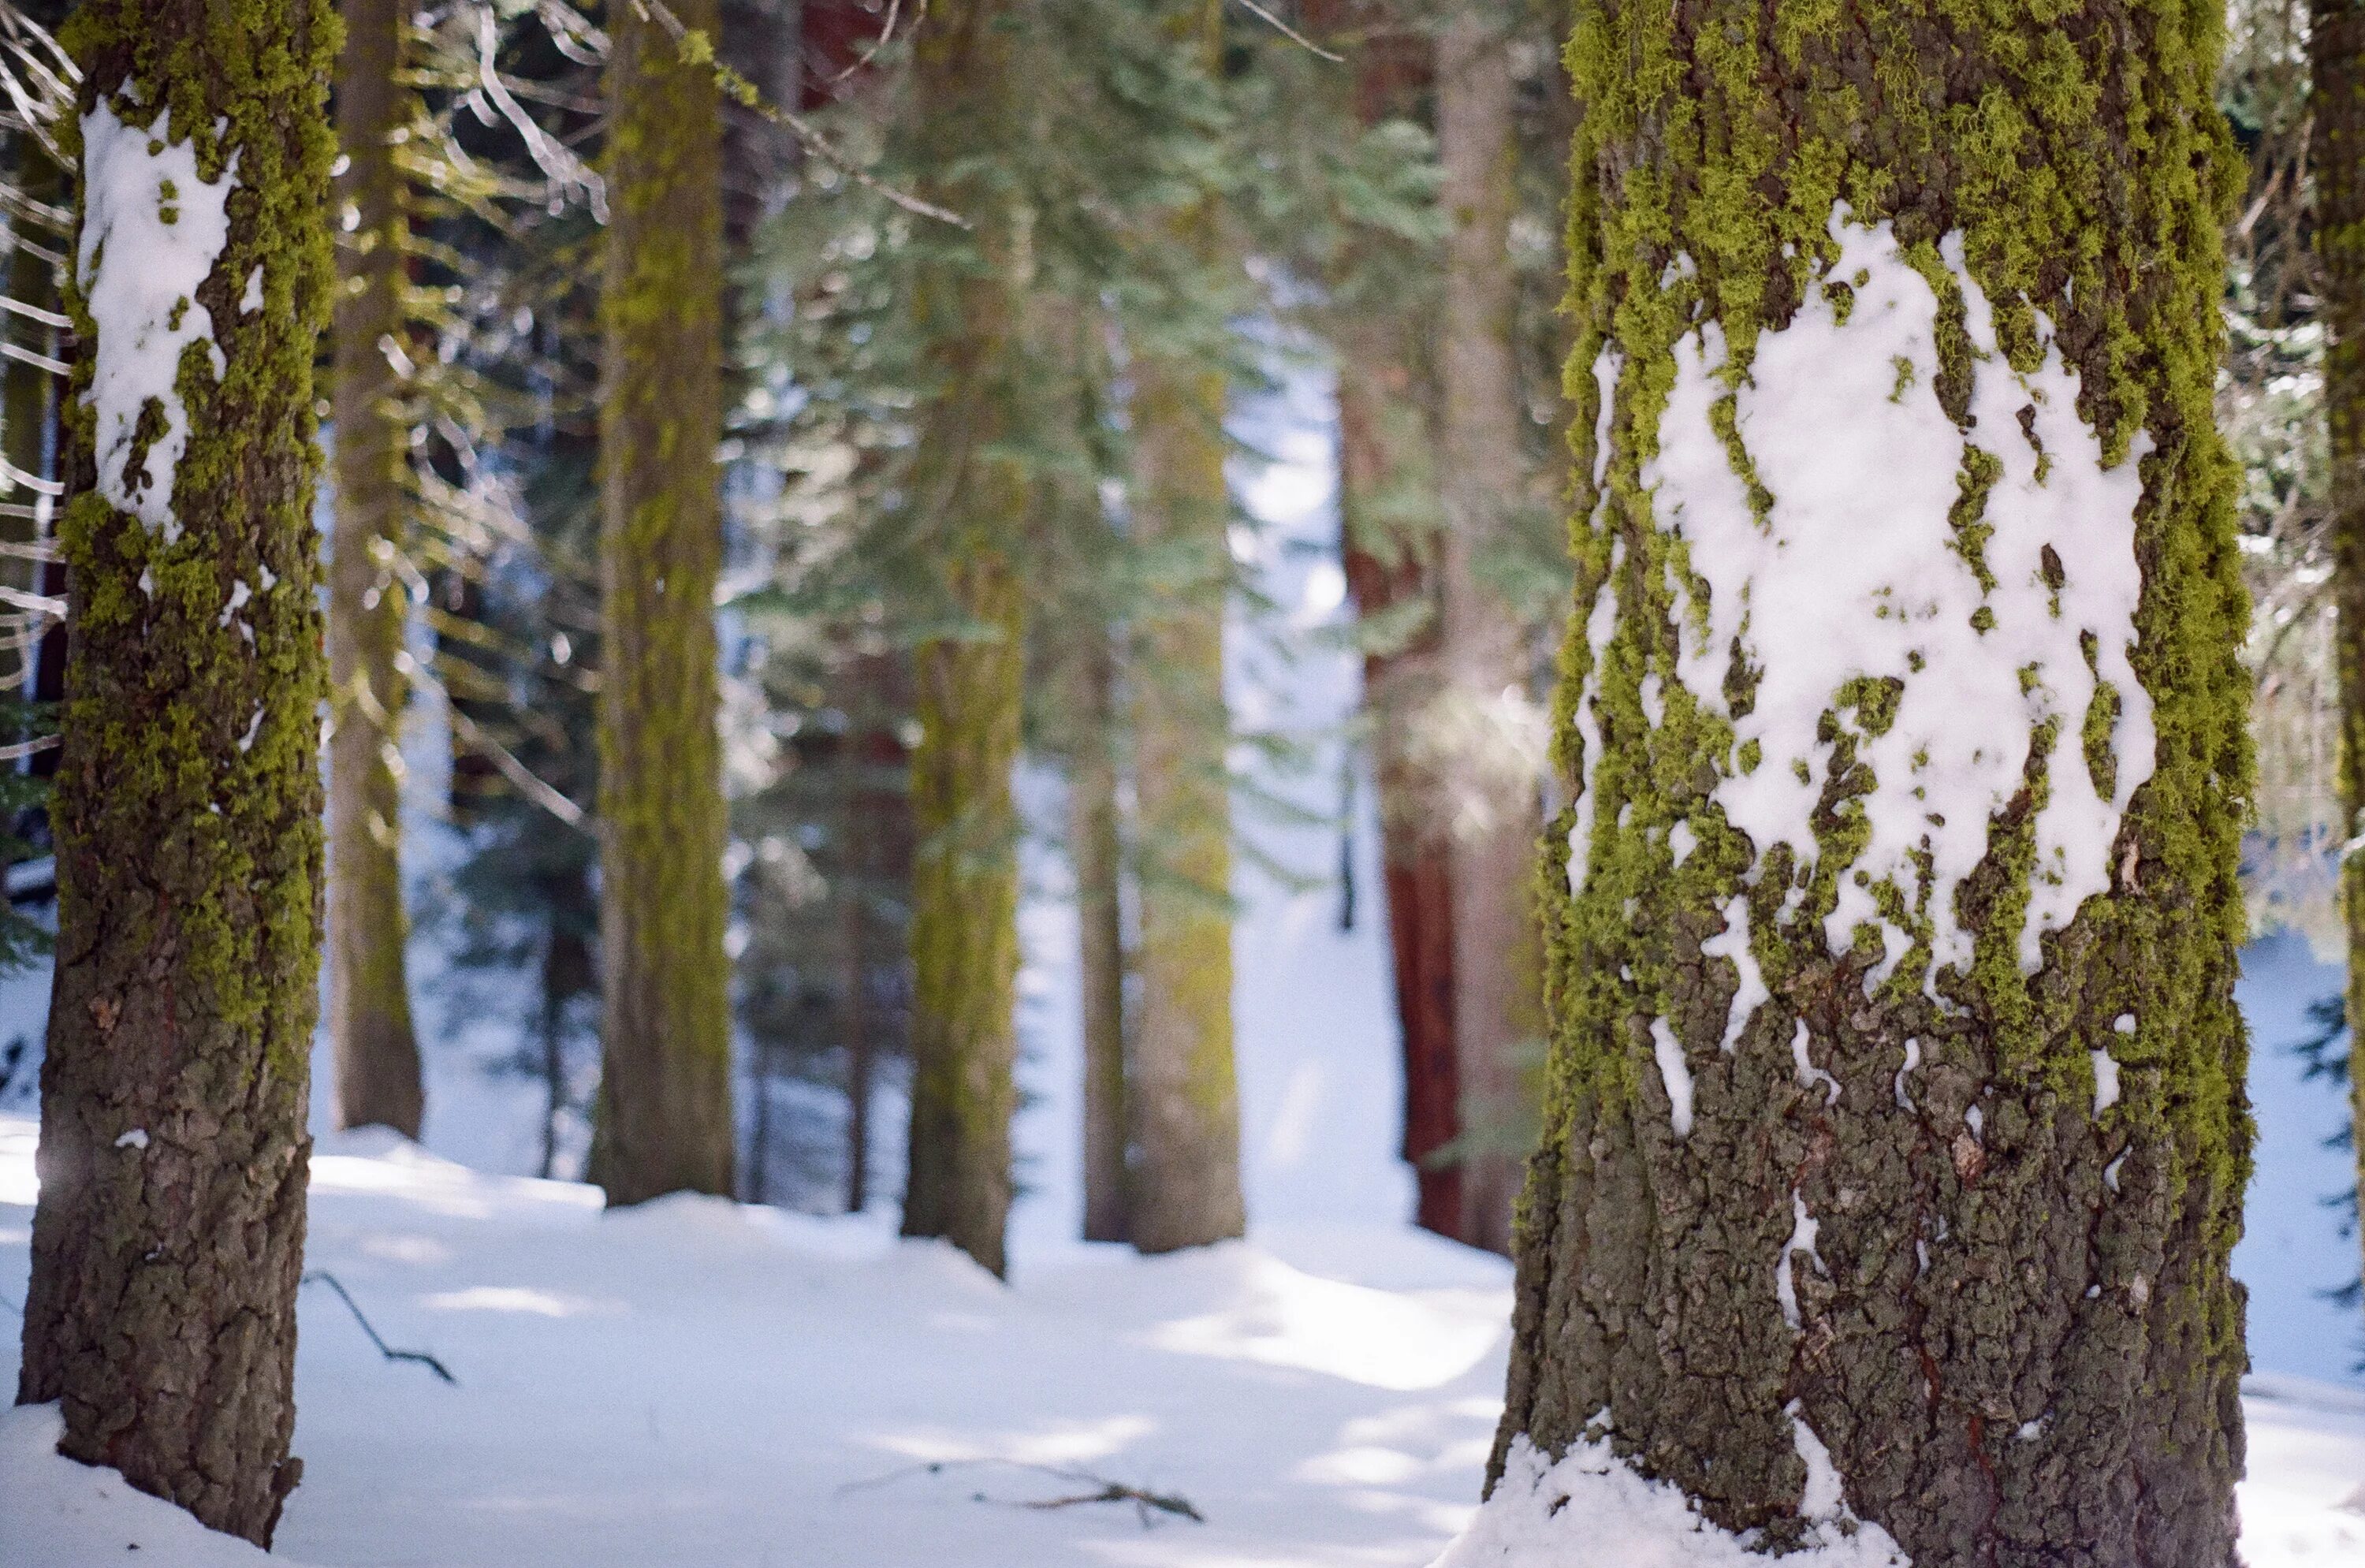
965 870
1098 855
1497 813
2015 1331
169 1236
664 1122
1186 1107
2337 57
369 993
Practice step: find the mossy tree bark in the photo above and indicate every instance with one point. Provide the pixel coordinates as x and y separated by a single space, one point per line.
1896 1100
1494 813
965 869
369 991
664 1121
1186 1111
169 1236
2336 59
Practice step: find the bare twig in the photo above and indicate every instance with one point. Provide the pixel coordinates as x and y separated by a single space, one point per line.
695 48
1292 34
388 1352
1145 1502
886 36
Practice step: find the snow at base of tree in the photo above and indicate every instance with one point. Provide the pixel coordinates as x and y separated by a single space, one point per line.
718 1385
1589 1510
151 232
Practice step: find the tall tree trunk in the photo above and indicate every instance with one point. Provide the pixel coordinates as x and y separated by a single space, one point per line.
965 870
2336 56
860 1051
665 1122
1897 1116
1186 1105
169 1235
1095 847
1388 526
1496 815
369 993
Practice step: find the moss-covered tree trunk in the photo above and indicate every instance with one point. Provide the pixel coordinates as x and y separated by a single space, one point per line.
369 993
1187 1108
965 867
2337 57
1494 809
1097 852
664 1122
169 1235
1895 1136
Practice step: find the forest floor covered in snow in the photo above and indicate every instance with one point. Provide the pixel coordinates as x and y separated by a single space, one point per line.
702 1382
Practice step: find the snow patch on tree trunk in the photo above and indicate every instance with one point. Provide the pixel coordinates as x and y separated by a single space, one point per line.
1808 545
152 231
1589 1509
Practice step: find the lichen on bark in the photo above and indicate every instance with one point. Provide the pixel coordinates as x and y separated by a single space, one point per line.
161 1312
2016 1334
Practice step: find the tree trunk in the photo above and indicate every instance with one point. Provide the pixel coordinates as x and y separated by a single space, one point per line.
1496 815
965 869
369 994
169 1235
1388 526
1186 1107
1896 1112
2337 57
860 1050
1098 855
664 1121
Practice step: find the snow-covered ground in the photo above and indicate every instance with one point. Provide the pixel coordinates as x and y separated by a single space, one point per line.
704 1383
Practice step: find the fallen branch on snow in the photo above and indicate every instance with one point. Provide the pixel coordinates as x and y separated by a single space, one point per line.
388 1352
1145 1502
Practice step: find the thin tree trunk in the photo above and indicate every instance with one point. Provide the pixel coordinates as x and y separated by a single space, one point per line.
169 1234
2337 53
1896 1137
1496 813
1098 855
665 1120
1186 1109
965 870
369 993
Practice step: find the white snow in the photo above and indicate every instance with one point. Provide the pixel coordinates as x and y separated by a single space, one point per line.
2125 1024
136 1138
1854 574
1600 624
251 300
1804 1227
1809 1074
1825 1495
2106 1081
1588 1510
1676 1074
151 232
1733 942
1912 1061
